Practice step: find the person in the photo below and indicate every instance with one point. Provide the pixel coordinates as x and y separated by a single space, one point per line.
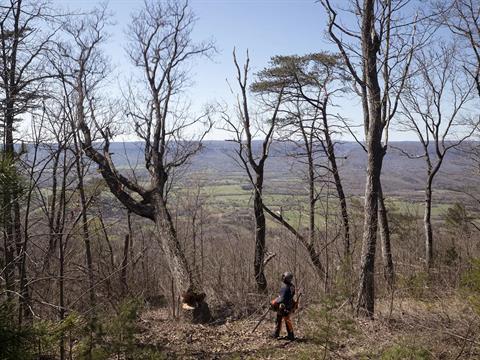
284 305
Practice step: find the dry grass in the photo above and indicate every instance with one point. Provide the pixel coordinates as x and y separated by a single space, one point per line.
442 328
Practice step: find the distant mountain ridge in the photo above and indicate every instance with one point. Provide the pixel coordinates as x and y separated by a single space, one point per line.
400 174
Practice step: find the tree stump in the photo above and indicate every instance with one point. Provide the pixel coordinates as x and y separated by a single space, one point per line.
195 309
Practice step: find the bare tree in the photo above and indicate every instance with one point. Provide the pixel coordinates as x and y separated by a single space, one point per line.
462 17
55 206
435 108
32 167
377 54
161 47
245 130
311 82
24 36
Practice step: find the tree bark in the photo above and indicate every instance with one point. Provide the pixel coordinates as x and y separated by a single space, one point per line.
427 222
61 288
375 152
366 293
260 231
312 252
184 278
123 272
330 151
85 233
8 202
388 269
311 190
186 281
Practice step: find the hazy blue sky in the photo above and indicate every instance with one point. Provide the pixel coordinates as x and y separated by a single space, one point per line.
264 27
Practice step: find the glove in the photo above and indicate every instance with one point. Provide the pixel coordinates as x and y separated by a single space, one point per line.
282 307
273 305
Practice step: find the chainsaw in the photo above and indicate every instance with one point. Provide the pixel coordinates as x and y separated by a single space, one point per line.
264 315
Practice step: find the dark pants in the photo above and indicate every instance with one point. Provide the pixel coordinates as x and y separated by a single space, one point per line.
284 316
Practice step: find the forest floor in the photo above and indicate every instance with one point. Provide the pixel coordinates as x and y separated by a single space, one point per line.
441 328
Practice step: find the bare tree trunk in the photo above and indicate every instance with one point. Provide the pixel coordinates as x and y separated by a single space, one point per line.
60 226
184 279
388 269
254 164
86 239
107 240
21 74
427 222
194 242
86 235
260 231
312 252
8 203
123 273
375 152
327 257
202 262
366 293
330 151
61 288
311 196
9 268
24 310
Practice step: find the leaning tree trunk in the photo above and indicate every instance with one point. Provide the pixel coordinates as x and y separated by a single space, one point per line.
330 150
312 251
260 231
187 282
388 270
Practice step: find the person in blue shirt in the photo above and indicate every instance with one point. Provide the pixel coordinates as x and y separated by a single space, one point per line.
284 305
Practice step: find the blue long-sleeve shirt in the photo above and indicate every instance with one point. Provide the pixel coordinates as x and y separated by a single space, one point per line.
287 292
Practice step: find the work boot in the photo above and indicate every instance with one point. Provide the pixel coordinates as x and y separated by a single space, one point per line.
291 336
276 335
